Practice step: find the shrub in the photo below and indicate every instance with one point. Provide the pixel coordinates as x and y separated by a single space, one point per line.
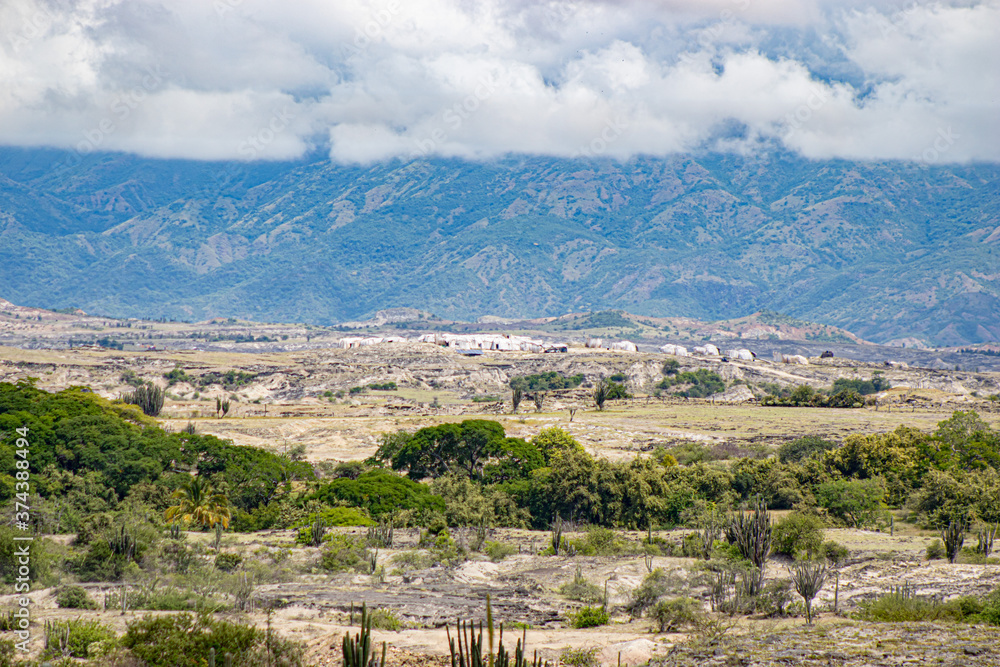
183 640
345 552
74 597
545 381
228 562
581 590
796 534
702 383
902 606
76 635
412 560
384 619
590 617
653 587
834 552
579 657
935 550
803 448
497 551
672 615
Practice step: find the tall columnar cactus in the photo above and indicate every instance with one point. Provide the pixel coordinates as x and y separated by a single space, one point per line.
466 647
148 397
986 535
357 650
953 537
751 533
557 531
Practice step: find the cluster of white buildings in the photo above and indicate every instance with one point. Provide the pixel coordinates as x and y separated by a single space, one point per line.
708 350
507 343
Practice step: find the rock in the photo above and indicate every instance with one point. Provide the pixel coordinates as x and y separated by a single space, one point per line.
635 652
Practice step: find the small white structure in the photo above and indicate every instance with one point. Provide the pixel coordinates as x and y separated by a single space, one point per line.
676 350
594 343
742 354
624 346
791 359
707 350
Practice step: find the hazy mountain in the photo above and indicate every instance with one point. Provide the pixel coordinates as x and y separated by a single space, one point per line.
884 250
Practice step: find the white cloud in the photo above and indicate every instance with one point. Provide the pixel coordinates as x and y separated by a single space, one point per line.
259 79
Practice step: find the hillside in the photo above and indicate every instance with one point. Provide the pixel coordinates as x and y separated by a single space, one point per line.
884 250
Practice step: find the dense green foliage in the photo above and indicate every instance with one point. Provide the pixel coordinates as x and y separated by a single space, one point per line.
545 381
380 492
863 387
476 447
89 456
183 640
696 384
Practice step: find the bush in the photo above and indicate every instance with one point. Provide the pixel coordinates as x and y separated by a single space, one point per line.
345 552
228 562
702 383
384 619
834 552
672 615
545 382
803 448
579 657
497 551
581 590
797 533
412 560
904 607
599 541
935 550
74 597
590 617
77 635
653 587
183 640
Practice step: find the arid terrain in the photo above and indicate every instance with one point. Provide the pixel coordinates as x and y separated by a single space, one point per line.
302 400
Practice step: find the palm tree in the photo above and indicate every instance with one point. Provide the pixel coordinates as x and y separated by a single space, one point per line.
199 503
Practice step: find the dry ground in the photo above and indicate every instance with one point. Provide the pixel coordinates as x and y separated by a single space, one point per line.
290 388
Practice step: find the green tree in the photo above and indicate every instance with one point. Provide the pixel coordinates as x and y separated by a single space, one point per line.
199 503
858 503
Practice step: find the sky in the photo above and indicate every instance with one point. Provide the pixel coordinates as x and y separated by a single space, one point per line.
367 81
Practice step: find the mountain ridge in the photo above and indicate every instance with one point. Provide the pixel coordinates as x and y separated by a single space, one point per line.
884 250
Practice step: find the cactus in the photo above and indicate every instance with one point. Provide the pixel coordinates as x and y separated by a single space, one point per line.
751 533
466 647
808 578
557 531
357 650
317 532
148 397
122 543
985 537
538 397
211 657
372 561
516 396
953 537
381 536
647 559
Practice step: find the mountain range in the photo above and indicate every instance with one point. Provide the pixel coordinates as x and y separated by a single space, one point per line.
885 250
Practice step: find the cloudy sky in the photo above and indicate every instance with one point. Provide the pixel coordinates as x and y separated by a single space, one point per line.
368 80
